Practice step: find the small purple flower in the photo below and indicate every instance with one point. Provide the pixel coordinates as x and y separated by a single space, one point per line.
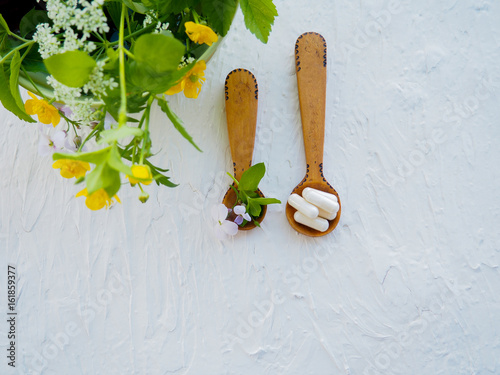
241 214
223 227
48 144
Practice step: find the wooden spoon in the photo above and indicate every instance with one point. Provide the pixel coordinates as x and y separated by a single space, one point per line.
242 94
310 56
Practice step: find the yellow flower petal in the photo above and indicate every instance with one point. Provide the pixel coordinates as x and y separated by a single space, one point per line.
97 200
81 193
176 89
196 78
200 34
192 81
141 174
71 168
46 112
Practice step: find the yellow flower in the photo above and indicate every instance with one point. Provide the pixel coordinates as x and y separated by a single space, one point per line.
192 82
46 112
200 34
140 174
71 168
98 199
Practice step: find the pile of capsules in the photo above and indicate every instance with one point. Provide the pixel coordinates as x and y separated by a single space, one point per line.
314 208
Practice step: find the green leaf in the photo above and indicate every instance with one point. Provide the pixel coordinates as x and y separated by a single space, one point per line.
136 6
3 42
160 178
159 52
8 101
94 157
71 68
135 103
31 20
33 63
172 6
266 201
4 28
103 176
114 9
259 17
113 56
176 121
115 162
15 66
250 179
220 14
108 136
140 77
253 208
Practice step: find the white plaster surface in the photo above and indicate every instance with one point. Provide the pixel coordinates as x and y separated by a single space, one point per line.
409 281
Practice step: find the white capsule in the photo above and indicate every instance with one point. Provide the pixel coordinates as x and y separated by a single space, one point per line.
300 204
319 224
327 215
328 195
320 201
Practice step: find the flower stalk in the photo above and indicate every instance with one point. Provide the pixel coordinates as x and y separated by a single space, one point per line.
122 119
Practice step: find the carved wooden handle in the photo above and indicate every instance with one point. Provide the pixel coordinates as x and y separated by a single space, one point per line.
242 95
310 56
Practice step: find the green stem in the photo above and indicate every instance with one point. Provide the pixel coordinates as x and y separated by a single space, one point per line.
91 134
134 34
27 44
33 83
234 179
98 36
195 16
20 38
128 53
26 52
122 118
145 138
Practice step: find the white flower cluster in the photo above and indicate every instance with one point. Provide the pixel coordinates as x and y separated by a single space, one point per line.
48 43
87 16
97 83
161 27
150 18
186 61
74 21
72 97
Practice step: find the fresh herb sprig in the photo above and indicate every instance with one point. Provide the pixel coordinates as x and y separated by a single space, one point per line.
246 190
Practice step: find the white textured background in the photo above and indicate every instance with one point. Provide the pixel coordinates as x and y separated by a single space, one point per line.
409 281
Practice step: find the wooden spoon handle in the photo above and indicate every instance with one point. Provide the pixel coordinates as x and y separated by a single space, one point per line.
242 95
310 58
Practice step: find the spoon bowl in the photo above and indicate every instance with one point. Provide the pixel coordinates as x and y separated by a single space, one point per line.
230 200
242 94
290 211
310 67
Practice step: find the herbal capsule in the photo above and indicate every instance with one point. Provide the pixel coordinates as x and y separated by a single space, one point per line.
319 224
327 215
321 201
328 195
300 204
